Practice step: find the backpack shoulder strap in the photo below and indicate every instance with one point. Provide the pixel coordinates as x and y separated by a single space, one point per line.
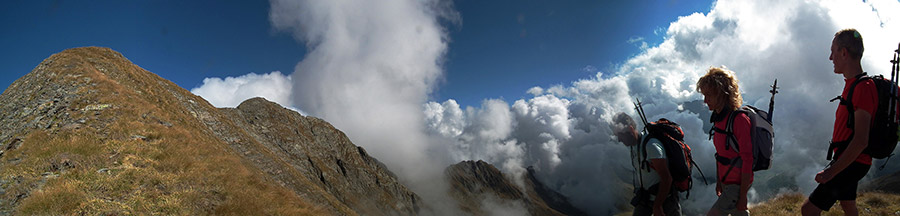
644 163
849 100
731 141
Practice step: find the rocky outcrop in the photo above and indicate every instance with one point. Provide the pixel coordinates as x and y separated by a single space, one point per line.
554 200
323 155
480 187
89 132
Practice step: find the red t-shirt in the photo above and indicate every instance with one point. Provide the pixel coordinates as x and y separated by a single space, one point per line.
865 98
742 134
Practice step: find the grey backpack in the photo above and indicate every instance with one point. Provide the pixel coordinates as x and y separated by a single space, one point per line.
762 137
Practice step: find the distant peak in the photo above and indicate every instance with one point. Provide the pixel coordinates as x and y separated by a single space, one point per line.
258 103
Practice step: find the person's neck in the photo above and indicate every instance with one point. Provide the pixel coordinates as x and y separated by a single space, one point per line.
854 71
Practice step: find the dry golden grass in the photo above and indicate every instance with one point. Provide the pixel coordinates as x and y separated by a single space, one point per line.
868 203
179 170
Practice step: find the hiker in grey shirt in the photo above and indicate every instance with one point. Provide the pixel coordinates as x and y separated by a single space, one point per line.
653 171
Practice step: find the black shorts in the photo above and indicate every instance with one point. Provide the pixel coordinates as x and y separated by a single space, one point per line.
841 187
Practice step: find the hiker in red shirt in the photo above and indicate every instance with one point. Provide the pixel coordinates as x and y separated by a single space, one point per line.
721 94
840 179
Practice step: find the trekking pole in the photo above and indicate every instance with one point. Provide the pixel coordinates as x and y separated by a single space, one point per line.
892 112
895 76
772 99
640 110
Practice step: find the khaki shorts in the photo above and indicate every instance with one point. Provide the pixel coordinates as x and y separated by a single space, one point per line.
727 203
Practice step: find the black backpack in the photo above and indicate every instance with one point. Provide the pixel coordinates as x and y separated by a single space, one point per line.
883 133
678 153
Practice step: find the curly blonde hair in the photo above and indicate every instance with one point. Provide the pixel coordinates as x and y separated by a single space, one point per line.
720 84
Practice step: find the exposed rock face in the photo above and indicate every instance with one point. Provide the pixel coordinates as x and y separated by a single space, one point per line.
89 132
539 191
324 156
477 185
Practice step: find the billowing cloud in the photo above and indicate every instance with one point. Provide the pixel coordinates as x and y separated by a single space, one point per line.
563 130
369 68
231 91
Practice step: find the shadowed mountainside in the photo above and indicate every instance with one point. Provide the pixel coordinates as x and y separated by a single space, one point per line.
89 132
481 189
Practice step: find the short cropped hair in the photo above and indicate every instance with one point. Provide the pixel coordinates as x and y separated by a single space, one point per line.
621 121
721 84
851 40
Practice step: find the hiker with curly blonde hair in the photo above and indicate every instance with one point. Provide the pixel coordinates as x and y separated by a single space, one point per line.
722 95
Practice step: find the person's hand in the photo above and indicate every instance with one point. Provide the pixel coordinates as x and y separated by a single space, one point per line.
824 176
658 210
718 189
742 203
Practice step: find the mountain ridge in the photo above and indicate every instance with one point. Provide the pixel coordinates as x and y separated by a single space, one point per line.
88 131
481 189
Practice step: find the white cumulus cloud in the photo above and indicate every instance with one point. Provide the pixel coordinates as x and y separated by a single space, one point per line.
231 91
564 131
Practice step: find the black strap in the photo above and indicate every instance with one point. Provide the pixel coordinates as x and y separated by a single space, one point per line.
644 164
840 146
726 172
851 118
729 128
731 140
730 162
849 100
723 160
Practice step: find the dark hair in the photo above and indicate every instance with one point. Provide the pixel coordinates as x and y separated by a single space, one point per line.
622 121
851 40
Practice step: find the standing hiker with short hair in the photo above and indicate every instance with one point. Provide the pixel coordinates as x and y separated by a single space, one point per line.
839 180
734 151
655 176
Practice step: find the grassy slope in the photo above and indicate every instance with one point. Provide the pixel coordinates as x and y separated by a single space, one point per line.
174 170
868 203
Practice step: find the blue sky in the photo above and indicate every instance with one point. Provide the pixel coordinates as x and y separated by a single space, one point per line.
183 41
525 43
542 43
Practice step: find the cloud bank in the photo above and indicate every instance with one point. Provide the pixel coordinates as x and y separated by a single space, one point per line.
563 130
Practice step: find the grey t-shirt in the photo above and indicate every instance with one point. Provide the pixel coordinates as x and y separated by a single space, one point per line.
649 177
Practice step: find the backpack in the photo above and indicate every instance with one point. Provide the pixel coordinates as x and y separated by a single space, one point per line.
678 153
762 138
883 133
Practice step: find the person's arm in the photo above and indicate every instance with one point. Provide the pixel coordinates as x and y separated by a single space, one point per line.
859 143
665 184
742 132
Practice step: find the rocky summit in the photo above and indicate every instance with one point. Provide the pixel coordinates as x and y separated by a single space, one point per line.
89 132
